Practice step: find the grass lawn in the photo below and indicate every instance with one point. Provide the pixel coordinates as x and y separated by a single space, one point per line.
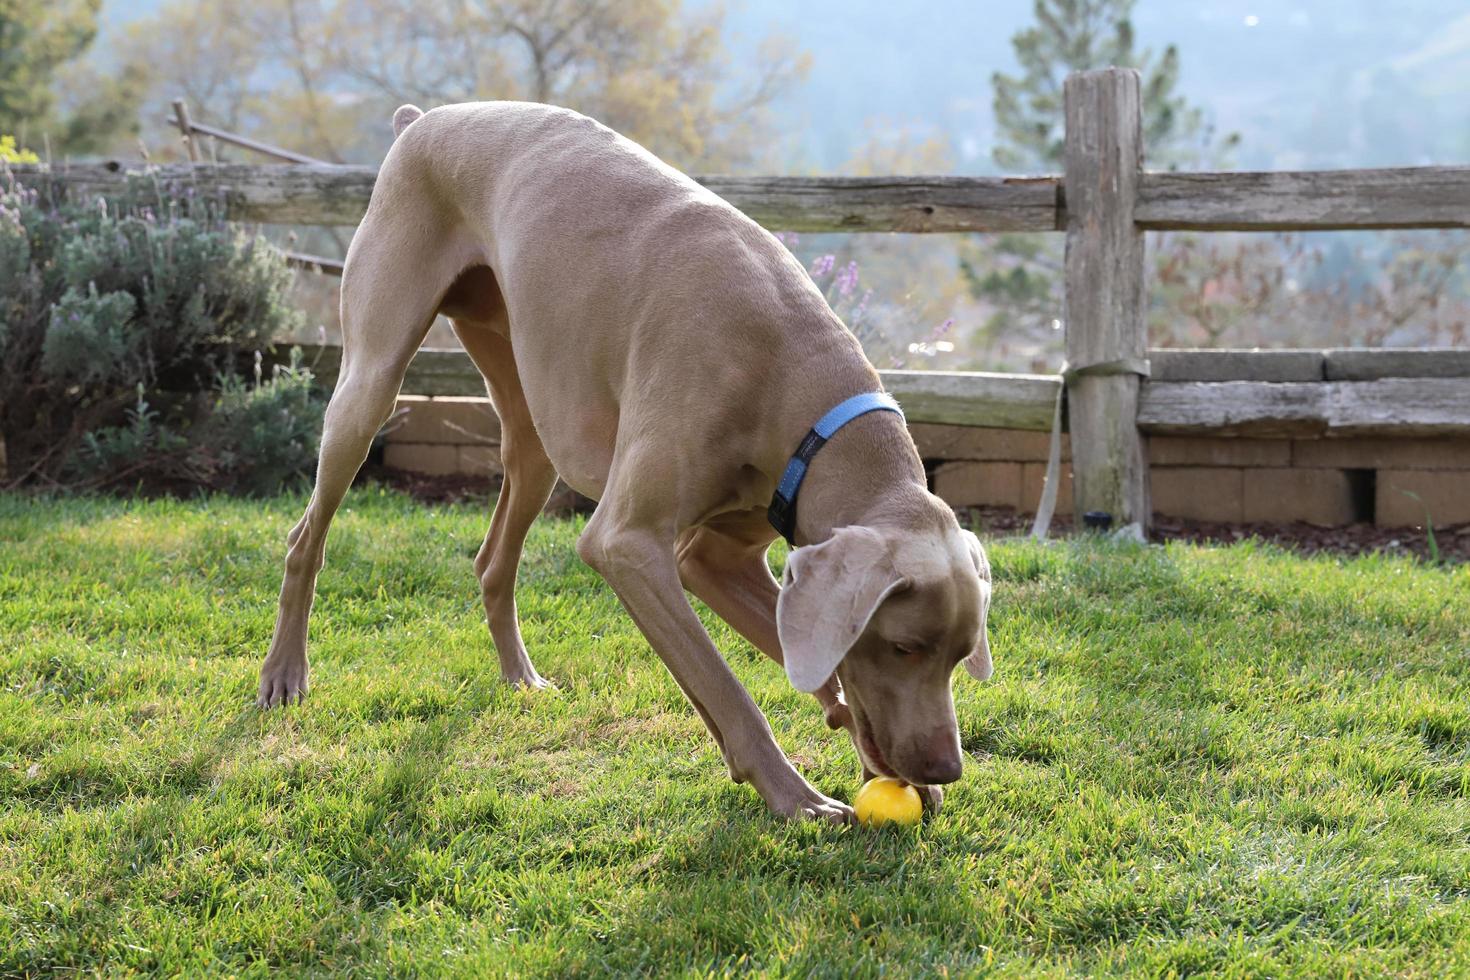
1189 759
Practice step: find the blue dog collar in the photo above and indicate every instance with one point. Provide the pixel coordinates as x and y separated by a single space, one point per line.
782 512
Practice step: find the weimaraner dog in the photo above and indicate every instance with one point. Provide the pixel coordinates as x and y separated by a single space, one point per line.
669 358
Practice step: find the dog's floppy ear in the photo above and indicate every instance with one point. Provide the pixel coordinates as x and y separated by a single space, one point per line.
829 591
404 117
978 663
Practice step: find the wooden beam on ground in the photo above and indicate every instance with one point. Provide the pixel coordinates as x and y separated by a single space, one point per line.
1320 200
1105 294
1000 401
1386 407
1259 409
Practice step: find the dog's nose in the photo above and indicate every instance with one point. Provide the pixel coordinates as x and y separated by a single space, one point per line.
938 770
938 759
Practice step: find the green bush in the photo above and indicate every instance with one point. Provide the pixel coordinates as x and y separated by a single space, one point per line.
125 332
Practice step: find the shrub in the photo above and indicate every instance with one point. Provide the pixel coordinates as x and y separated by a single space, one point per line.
125 328
10 153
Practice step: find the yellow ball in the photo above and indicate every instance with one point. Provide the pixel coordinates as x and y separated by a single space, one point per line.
884 800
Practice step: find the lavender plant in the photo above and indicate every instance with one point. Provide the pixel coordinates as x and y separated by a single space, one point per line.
125 327
840 284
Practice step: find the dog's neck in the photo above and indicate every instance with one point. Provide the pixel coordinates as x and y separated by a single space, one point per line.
869 472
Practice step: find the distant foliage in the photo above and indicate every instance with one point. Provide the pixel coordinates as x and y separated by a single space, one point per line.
125 333
1079 35
10 153
1404 289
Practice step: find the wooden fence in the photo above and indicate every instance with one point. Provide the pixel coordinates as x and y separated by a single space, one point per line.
1117 390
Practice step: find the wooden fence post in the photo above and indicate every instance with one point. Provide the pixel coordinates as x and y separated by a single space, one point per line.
1104 305
186 129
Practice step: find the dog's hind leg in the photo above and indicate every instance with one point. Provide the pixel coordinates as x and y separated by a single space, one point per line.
529 479
384 319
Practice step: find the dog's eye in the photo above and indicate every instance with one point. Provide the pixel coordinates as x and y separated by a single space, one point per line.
902 651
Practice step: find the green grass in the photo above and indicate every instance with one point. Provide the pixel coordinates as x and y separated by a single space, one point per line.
1190 759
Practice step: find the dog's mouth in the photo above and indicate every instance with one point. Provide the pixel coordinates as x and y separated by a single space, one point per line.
867 745
872 755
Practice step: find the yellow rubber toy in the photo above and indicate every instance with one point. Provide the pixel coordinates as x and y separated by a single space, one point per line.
884 800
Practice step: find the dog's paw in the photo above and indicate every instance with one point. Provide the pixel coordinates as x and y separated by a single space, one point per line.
805 802
281 684
529 681
825 808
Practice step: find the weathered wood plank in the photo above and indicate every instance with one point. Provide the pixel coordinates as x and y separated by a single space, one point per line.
306 195
1105 292
999 401
1401 197
1404 197
1234 408
1387 407
908 204
1175 364
279 194
1368 364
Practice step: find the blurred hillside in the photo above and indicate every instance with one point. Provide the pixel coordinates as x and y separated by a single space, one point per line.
1307 83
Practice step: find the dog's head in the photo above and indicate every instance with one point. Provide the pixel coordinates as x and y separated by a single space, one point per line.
892 612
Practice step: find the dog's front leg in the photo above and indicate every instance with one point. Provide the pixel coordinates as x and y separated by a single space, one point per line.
641 568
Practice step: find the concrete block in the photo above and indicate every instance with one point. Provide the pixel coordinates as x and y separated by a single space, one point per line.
1198 493
971 442
1382 454
480 461
1443 495
972 484
419 457
1370 364
444 420
1192 451
1172 364
1317 496
1033 477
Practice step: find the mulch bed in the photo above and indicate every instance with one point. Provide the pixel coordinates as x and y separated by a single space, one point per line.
1310 539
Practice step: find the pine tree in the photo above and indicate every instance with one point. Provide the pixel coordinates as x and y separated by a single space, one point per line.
1077 35
1019 276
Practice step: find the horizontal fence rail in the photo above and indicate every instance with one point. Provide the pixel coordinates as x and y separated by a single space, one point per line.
1322 200
1396 392
1410 197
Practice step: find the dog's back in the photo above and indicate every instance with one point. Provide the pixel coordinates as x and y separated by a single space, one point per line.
613 265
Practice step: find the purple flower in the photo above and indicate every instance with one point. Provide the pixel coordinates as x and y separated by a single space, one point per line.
847 279
823 265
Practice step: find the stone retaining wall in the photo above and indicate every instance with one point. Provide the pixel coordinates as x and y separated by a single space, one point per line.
1391 482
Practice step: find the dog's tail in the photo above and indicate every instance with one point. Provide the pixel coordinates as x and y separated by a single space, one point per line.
405 115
